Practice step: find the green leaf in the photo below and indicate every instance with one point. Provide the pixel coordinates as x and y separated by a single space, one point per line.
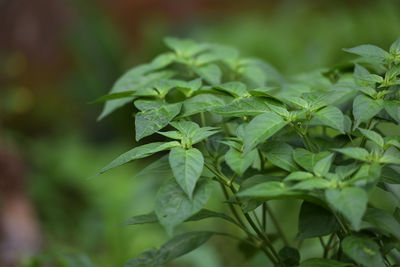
391 156
249 106
290 256
329 116
164 86
261 128
192 133
174 248
173 206
384 221
280 155
312 184
373 136
201 103
363 251
133 80
188 88
354 152
184 47
150 121
365 108
323 263
390 175
139 152
217 53
315 221
202 214
299 176
187 166
321 168
307 159
172 134
395 47
205 214
238 161
113 96
236 89
142 219
146 104
393 109
351 202
371 52
364 78
267 190
210 73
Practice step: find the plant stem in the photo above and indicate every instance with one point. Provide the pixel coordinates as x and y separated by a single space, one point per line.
222 179
263 237
264 217
328 246
232 208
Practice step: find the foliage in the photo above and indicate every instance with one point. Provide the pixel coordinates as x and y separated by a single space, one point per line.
237 122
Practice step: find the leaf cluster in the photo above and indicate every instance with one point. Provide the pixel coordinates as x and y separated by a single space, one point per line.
237 122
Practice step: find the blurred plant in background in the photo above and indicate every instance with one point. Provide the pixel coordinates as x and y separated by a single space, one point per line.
57 56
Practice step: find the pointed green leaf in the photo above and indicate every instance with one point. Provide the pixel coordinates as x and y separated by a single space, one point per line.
236 89
201 103
384 221
238 161
185 47
150 121
249 106
307 159
395 47
299 176
364 78
321 168
202 214
315 221
354 152
210 73
173 206
329 116
139 152
351 202
261 128
133 80
365 108
363 251
390 175
393 109
373 136
371 52
312 184
142 219
280 155
391 156
267 190
187 165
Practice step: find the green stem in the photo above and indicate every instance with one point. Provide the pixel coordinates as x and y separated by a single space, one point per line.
264 217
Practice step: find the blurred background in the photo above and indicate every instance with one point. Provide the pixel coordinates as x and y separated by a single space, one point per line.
58 55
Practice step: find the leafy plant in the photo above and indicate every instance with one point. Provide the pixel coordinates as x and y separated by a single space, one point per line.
327 138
